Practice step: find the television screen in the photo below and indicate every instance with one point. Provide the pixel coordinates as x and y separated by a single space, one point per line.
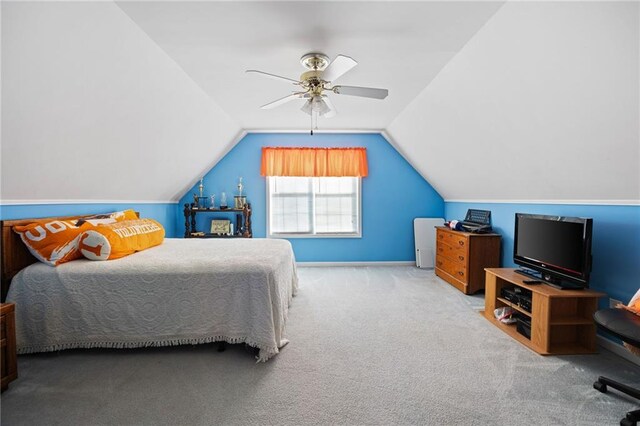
557 247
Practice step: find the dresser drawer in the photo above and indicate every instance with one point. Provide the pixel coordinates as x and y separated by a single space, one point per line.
8 363
3 359
3 345
462 256
454 240
455 254
3 327
455 269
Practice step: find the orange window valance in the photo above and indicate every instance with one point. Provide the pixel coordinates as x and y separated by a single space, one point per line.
314 162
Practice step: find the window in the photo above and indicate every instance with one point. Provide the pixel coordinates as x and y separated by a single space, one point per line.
313 206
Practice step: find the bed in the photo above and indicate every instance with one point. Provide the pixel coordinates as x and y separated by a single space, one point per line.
185 291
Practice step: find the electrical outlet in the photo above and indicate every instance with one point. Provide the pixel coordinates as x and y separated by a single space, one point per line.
613 302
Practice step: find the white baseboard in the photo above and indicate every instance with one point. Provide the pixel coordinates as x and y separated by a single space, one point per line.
384 263
96 202
569 202
618 350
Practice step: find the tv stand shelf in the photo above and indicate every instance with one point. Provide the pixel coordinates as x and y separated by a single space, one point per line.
516 307
561 320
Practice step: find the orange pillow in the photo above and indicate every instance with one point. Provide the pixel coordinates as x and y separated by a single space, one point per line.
56 241
120 239
99 219
51 241
634 304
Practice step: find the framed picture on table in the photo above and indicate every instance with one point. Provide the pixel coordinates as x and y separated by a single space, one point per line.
220 226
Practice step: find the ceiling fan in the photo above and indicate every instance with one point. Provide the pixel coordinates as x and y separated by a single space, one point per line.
320 78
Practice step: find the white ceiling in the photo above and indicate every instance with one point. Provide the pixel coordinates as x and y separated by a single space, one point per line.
488 100
400 46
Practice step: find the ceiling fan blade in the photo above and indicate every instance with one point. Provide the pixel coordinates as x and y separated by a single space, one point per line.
332 109
365 92
284 100
277 77
339 66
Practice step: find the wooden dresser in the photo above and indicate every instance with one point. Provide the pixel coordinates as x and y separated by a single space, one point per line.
462 256
8 351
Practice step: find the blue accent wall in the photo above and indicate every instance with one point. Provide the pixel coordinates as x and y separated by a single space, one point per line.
392 196
165 213
615 245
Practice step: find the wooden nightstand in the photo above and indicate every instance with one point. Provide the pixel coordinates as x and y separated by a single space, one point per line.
8 343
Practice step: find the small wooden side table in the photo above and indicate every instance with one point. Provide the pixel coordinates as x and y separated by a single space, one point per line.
8 344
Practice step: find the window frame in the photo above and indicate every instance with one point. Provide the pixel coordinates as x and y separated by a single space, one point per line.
357 234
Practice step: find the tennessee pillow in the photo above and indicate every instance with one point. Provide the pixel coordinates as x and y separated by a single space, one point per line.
56 241
116 240
634 304
51 241
99 219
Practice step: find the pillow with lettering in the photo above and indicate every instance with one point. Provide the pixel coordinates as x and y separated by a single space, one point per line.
55 241
51 241
99 219
120 239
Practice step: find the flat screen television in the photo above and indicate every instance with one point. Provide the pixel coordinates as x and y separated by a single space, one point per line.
557 249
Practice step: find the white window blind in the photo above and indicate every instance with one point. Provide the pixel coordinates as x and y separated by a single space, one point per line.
313 206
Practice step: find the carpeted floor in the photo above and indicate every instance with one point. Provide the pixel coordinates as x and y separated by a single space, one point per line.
369 345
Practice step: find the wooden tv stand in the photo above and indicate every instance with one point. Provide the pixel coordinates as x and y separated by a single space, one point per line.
561 320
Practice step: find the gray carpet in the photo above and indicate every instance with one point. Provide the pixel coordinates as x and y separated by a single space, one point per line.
369 345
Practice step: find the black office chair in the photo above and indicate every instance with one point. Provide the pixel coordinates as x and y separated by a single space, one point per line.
626 326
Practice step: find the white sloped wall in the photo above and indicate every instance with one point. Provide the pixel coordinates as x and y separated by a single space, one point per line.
542 104
93 110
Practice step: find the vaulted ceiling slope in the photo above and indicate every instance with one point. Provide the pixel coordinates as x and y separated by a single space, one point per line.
94 110
542 104
134 101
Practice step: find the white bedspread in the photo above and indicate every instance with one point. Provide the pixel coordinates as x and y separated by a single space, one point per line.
185 291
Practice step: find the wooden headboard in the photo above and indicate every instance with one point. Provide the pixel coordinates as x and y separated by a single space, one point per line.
14 255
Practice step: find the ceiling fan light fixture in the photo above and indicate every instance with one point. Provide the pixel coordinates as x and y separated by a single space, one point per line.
316 104
306 108
332 109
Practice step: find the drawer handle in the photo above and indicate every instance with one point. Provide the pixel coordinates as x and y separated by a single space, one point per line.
461 243
461 257
439 263
460 273
441 236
